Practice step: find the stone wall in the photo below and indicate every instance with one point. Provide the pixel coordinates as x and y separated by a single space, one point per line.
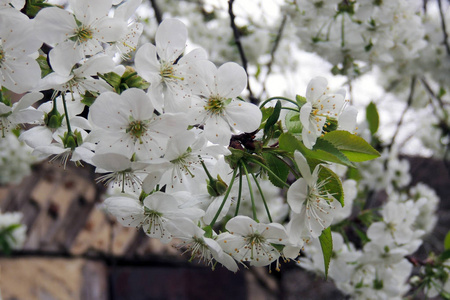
74 251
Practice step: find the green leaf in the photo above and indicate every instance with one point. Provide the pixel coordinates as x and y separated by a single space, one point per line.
361 234
258 71
353 173
444 255
333 184
445 295
300 100
32 7
447 241
355 148
326 146
10 228
4 246
113 79
293 124
272 120
372 117
45 68
277 166
290 143
89 98
326 242
266 113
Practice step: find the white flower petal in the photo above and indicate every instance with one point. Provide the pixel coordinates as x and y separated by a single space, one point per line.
297 195
316 87
231 80
170 39
243 116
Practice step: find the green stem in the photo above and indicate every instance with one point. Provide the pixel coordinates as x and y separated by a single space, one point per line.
291 108
206 169
279 98
129 76
270 171
123 182
69 130
263 198
251 192
342 32
224 199
293 171
239 193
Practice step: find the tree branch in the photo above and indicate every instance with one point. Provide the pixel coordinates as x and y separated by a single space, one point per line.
272 53
157 11
444 29
443 123
408 104
237 40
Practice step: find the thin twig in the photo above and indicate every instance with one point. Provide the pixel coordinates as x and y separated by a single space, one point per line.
157 11
444 29
425 3
443 123
272 53
408 104
432 93
237 40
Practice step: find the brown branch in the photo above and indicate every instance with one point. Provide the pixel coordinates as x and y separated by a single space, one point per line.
157 11
432 93
443 123
272 53
444 29
237 40
408 104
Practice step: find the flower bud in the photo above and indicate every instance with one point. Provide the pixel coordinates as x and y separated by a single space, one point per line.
216 187
53 119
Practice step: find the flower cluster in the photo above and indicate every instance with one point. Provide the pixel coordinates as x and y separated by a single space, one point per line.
348 32
15 160
12 232
175 135
194 162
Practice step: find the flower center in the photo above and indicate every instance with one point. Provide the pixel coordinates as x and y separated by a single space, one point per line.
167 72
200 250
137 128
255 239
215 105
82 34
2 55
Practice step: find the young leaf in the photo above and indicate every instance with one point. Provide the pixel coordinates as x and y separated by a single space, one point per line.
45 68
293 124
272 120
355 148
326 242
372 117
444 255
447 241
300 100
333 184
326 146
266 113
361 234
290 143
89 98
278 167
